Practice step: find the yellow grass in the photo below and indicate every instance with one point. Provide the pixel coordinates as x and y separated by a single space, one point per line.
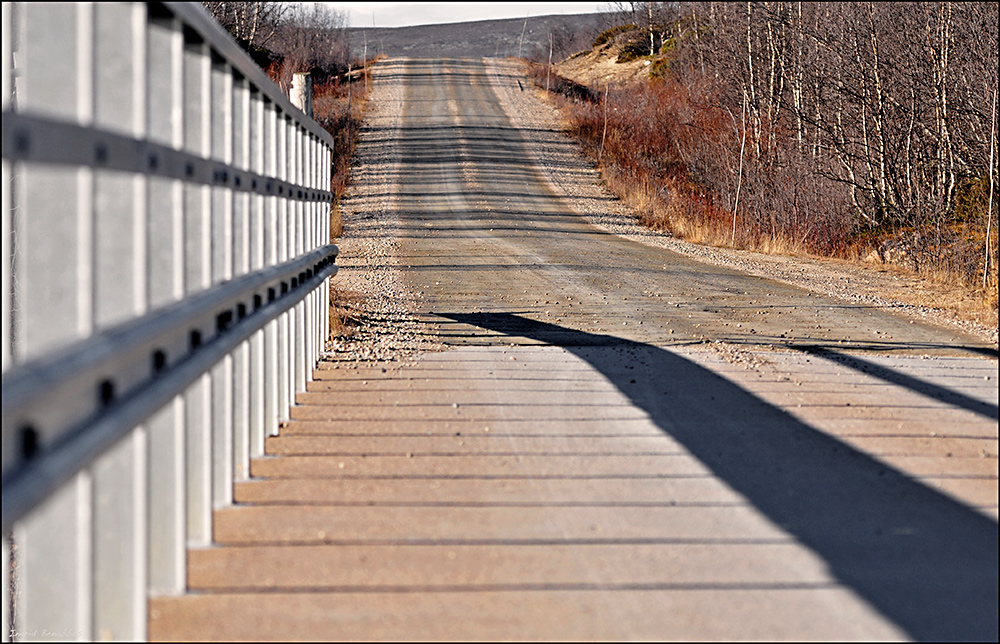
345 312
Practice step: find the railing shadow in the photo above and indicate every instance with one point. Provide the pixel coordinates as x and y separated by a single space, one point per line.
943 394
922 559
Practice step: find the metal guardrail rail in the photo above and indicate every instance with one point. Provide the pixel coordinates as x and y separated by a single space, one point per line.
165 229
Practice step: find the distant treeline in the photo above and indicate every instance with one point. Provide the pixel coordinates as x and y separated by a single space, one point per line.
286 37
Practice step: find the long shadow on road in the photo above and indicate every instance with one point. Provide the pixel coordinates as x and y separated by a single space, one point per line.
931 390
925 561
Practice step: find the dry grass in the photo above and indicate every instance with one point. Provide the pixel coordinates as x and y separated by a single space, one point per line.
336 222
940 290
346 312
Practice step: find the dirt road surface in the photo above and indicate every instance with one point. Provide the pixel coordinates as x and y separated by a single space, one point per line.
565 433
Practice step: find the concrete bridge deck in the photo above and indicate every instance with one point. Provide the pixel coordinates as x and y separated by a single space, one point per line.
519 492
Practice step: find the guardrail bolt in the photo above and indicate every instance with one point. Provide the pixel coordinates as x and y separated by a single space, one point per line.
29 442
159 361
223 321
106 392
22 142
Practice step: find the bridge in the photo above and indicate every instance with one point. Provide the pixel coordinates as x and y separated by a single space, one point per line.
597 439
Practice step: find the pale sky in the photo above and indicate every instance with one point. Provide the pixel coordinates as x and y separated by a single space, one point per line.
405 14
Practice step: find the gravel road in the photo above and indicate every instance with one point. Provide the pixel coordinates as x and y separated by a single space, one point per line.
514 219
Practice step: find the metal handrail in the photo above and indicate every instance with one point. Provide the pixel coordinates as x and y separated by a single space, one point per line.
165 254
37 139
195 18
270 293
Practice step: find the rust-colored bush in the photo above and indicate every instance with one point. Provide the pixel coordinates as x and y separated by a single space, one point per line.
338 106
809 127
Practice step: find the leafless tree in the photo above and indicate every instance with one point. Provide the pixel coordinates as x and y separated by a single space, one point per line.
861 121
314 38
889 101
253 24
568 40
288 37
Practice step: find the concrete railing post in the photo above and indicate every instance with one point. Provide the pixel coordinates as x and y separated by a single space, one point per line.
302 92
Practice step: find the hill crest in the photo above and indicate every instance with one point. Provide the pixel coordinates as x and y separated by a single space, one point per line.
571 33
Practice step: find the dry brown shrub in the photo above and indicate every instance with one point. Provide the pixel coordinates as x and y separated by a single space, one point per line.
339 107
670 151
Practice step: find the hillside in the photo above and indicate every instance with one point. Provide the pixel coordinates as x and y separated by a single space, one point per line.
599 66
483 38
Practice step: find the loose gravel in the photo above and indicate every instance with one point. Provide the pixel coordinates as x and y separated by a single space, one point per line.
368 262
390 333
